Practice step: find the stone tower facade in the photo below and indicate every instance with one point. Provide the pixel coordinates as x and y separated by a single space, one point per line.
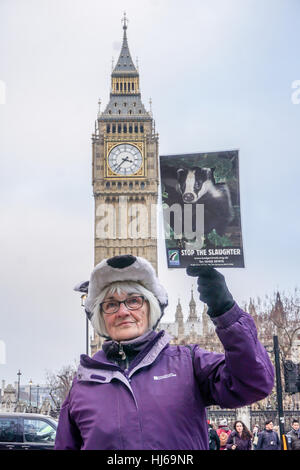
125 168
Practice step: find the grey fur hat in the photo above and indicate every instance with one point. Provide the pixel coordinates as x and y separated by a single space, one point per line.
122 268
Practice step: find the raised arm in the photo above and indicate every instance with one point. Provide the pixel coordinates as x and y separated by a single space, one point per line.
245 373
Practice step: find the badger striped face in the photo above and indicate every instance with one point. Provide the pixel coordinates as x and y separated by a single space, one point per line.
194 183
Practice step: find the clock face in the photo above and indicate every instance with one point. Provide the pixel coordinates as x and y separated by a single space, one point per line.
125 159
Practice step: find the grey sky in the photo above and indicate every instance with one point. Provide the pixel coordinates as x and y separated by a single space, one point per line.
220 75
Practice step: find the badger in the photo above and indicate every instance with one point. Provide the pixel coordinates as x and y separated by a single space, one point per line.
198 186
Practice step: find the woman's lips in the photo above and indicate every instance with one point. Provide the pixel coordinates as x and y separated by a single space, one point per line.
126 323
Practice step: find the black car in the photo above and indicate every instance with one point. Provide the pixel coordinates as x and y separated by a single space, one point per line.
21 431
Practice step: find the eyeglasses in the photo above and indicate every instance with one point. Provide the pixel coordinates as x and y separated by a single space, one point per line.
132 303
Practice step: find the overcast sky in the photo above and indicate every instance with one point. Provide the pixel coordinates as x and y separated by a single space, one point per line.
220 74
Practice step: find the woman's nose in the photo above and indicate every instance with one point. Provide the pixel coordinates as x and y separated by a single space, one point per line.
123 310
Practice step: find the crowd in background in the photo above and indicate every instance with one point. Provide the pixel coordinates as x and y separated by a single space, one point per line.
241 438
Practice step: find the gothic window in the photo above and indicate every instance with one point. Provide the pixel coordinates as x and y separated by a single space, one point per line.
124 86
125 129
119 111
113 128
115 105
134 104
109 111
132 86
130 185
142 185
117 86
140 111
142 128
119 185
125 104
107 184
130 112
119 128
136 129
108 128
130 129
121 86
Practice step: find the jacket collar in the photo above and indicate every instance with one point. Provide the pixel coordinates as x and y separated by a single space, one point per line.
124 352
99 362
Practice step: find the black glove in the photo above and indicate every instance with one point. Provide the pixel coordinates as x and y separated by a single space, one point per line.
212 288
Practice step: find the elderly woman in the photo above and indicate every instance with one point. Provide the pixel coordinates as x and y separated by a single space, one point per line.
140 392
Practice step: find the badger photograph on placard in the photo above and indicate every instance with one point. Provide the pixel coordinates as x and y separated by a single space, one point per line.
201 209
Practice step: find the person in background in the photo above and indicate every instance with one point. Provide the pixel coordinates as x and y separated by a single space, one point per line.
268 439
223 432
213 438
255 437
293 436
240 438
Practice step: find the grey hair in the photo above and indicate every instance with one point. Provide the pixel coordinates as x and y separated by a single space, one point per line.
128 287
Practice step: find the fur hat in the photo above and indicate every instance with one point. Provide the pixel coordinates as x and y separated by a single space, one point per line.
223 422
122 268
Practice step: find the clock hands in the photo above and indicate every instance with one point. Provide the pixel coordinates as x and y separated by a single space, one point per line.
126 159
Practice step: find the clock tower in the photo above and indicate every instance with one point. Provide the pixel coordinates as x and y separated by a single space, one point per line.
125 168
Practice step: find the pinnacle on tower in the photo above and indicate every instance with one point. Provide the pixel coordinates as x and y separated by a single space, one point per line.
124 63
192 315
125 95
178 314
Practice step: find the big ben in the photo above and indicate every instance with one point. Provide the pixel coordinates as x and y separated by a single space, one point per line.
125 168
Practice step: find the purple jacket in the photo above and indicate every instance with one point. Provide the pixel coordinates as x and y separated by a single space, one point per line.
159 402
241 444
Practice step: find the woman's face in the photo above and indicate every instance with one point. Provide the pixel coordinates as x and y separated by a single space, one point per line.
126 324
239 427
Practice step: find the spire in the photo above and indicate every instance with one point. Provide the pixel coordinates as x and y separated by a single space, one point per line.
193 314
99 107
125 95
125 63
179 314
205 329
192 301
278 314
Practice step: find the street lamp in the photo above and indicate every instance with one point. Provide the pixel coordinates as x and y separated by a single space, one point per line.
18 393
30 384
19 375
37 397
83 297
